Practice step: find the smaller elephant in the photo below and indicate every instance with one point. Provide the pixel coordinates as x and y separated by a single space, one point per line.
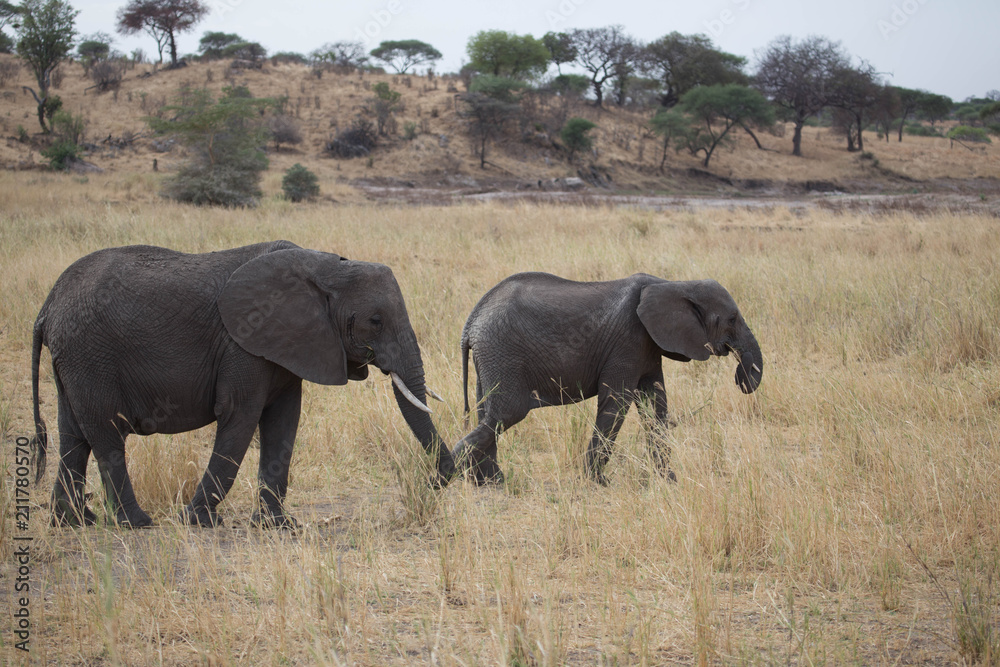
539 340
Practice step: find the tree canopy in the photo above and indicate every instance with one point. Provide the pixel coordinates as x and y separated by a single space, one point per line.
212 45
162 19
598 52
506 54
401 55
729 105
681 62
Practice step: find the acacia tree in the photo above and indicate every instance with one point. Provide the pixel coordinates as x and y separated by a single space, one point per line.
162 19
403 54
343 54
212 45
506 54
855 92
491 103
598 50
796 76
729 105
681 62
45 37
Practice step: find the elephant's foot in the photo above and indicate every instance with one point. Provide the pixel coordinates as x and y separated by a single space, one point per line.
486 472
67 513
73 518
201 516
134 519
267 518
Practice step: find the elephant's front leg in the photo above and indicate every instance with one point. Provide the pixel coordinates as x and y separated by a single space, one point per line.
656 420
278 425
612 406
231 442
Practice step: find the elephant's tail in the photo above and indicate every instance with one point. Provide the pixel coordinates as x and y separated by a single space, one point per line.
40 442
465 374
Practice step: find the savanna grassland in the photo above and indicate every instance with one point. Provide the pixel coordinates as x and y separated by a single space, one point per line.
845 513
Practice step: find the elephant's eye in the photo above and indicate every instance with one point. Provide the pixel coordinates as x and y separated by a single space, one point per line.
376 321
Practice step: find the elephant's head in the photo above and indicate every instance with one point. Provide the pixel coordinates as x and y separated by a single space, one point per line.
325 319
696 319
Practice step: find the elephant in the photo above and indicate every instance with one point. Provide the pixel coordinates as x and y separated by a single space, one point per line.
150 340
540 340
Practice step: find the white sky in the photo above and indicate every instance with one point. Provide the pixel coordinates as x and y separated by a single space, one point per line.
948 47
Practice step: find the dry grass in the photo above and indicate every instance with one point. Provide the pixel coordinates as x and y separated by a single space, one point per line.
845 513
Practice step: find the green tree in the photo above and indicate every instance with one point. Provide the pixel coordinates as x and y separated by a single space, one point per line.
574 135
935 108
225 138
383 106
162 19
45 37
681 62
990 114
561 49
8 12
507 55
65 150
93 49
729 105
670 124
491 103
401 55
212 45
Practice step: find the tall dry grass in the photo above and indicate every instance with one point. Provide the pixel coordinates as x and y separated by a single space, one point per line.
844 513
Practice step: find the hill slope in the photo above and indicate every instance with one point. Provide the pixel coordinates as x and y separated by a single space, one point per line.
626 156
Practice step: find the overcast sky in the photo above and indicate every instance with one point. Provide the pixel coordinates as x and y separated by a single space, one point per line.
948 47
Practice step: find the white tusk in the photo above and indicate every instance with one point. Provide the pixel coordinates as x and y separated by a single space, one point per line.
433 394
755 367
408 394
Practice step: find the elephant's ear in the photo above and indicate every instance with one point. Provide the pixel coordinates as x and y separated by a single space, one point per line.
273 308
670 313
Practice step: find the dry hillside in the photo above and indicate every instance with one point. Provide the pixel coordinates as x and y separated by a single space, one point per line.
626 155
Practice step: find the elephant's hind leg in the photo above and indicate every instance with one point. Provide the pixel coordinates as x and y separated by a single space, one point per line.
278 425
68 503
109 450
477 453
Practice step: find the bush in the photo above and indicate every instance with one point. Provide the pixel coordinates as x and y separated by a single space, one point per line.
357 141
919 130
571 85
284 130
61 154
574 135
299 183
972 135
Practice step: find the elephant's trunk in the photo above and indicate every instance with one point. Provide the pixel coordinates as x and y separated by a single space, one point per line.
407 372
751 364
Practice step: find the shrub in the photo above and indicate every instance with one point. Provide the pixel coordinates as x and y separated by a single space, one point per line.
61 154
574 135
919 130
972 135
571 85
409 130
356 141
299 183
284 130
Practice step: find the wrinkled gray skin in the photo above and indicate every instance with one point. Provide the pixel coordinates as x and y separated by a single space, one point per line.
540 340
148 340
